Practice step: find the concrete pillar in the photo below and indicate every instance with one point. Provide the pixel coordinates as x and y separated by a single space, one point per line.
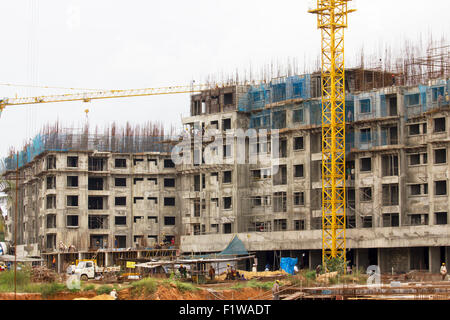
59 262
108 259
315 259
357 258
380 262
447 255
434 257
310 260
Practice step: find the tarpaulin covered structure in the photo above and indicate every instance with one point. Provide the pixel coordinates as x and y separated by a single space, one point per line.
287 264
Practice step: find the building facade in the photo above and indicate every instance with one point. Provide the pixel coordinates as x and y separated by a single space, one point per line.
265 186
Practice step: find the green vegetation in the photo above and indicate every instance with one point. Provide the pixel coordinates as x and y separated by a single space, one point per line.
51 289
88 287
23 284
144 286
104 289
311 275
337 265
7 280
253 284
184 286
181 286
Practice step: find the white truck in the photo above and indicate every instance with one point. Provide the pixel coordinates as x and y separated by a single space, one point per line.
88 269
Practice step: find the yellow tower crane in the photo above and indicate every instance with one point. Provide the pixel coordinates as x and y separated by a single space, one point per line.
103 94
332 20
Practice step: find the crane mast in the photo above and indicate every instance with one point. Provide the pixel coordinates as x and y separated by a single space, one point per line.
332 20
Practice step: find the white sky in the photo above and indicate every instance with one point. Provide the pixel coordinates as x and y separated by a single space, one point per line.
135 44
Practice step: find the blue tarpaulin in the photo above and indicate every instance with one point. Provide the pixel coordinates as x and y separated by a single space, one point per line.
287 264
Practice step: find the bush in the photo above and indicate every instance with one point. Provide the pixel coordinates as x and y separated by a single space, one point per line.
89 287
146 286
238 286
311 275
183 286
260 285
253 284
7 279
104 290
336 265
51 289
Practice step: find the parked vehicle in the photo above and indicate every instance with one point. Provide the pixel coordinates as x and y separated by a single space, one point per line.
88 269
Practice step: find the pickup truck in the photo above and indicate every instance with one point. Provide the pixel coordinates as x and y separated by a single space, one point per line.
88 269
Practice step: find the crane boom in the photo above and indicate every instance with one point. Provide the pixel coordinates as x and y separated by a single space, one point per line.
332 20
103 94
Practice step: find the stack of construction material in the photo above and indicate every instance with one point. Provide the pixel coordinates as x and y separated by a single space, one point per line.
325 278
43 274
256 275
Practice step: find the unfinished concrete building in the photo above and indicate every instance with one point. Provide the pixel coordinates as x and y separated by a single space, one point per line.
72 203
397 173
104 194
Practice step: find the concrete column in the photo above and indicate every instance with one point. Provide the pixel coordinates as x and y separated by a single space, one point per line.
108 259
434 256
59 262
309 260
380 262
357 258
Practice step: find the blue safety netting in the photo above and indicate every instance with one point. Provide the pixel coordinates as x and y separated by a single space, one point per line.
277 90
82 142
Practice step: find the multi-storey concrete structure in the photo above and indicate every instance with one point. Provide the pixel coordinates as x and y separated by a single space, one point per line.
397 179
97 200
397 172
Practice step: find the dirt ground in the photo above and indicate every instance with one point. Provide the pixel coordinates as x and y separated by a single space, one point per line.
37 296
162 293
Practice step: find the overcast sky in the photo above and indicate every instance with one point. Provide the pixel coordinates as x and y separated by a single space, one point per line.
135 44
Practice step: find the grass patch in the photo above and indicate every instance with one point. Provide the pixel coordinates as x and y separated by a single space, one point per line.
89 287
104 290
51 289
7 280
24 284
144 286
253 284
260 285
310 275
238 286
184 286
180 285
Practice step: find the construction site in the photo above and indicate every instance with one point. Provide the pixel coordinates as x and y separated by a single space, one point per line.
333 184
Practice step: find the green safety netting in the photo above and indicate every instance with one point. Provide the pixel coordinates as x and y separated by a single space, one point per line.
236 247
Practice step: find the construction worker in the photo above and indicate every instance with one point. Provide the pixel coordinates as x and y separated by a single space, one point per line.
443 271
318 269
233 273
113 294
276 290
228 272
212 272
182 271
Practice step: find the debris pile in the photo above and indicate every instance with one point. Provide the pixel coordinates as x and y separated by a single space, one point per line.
325 278
249 275
43 274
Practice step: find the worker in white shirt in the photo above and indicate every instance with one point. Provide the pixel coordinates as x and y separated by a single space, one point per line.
443 271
